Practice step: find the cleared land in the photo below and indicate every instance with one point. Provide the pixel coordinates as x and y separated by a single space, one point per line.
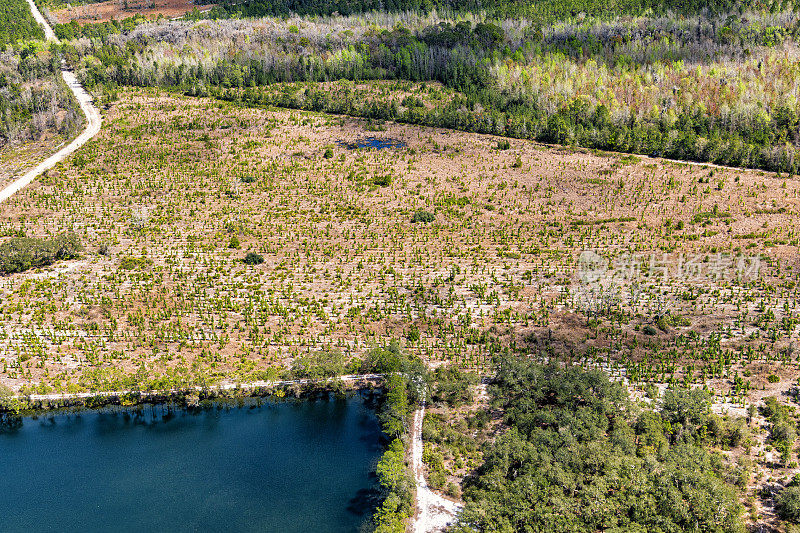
174 192
120 9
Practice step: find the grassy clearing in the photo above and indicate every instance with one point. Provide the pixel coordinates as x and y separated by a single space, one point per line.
169 202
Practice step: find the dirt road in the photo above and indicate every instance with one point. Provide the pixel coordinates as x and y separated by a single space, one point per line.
93 120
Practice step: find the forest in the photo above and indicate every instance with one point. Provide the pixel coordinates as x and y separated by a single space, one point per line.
16 23
577 457
34 100
261 203
716 87
546 11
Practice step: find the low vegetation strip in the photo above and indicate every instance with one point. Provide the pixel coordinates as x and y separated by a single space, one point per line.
19 254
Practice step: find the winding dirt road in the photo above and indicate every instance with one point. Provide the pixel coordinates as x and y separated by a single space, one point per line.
434 512
93 119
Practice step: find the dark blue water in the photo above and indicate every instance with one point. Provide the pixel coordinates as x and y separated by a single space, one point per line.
295 466
374 143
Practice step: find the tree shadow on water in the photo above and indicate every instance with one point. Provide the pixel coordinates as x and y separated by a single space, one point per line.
365 501
10 423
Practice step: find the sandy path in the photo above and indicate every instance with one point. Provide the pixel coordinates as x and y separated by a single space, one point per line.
93 119
434 512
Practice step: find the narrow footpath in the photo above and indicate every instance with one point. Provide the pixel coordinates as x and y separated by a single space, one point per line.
93 119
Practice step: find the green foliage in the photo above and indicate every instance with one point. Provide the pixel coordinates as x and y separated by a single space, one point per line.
576 460
423 216
34 100
319 365
649 330
8 403
394 476
253 258
396 409
391 359
19 254
453 386
540 11
74 30
787 504
134 263
383 180
783 427
17 23
557 87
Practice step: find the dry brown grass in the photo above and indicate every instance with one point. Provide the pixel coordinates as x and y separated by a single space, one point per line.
119 9
346 268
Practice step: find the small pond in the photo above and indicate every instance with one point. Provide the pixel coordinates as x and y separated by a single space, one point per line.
375 143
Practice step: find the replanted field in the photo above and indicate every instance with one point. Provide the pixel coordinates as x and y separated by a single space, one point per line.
459 244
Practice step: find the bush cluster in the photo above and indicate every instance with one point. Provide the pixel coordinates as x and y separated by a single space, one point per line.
19 254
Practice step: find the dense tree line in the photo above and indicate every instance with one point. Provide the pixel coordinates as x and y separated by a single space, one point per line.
404 383
34 100
578 457
74 30
656 86
17 23
543 11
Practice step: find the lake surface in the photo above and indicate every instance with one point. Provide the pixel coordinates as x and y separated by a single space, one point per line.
291 466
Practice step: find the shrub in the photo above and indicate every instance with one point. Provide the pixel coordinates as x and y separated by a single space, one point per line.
649 330
319 365
22 253
134 263
413 334
248 179
328 153
423 216
253 258
7 400
772 378
234 243
503 144
382 181
412 101
788 504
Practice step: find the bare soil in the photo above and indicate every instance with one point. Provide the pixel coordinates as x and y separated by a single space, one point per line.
120 9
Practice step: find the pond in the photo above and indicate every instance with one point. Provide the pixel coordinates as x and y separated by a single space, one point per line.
374 143
286 466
